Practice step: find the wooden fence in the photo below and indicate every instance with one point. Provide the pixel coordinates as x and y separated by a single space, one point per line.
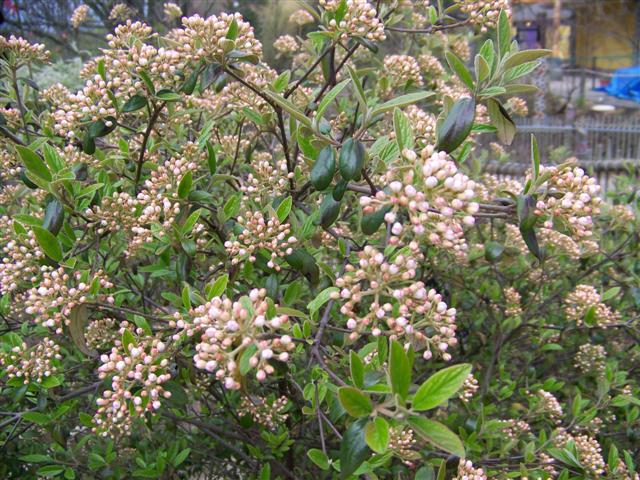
606 146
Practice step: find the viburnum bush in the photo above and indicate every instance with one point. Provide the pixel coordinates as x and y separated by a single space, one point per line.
213 269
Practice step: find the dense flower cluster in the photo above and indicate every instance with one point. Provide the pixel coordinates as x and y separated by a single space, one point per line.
265 179
121 12
137 370
359 20
20 262
582 300
22 51
591 359
484 13
513 429
52 302
171 11
238 336
513 307
469 389
423 124
571 199
517 106
402 70
264 411
33 364
589 452
438 199
550 405
381 296
301 17
286 44
79 16
402 443
260 233
466 471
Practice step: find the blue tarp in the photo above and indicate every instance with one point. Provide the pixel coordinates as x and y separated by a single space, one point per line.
625 84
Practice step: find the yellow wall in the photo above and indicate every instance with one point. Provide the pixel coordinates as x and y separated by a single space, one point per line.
603 29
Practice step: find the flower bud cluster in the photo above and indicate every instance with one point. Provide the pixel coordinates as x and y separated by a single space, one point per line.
484 13
21 257
52 301
360 20
550 405
33 364
265 180
512 298
301 17
286 44
460 47
381 296
206 39
571 198
423 124
55 94
431 67
402 443
12 116
137 372
513 429
469 389
584 298
466 471
436 196
517 106
260 233
591 359
79 16
22 51
269 413
588 450
402 69
171 11
229 332
121 12
621 472
102 333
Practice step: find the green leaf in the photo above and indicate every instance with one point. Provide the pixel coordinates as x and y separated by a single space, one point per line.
185 185
360 95
504 34
438 435
282 81
457 125
329 211
100 68
399 369
493 250
167 95
36 417
356 403
127 339
371 222
219 286
232 32
330 97
323 168
284 209
304 262
440 387
505 127
323 297
403 130
352 155
53 216
483 70
535 157
611 293
520 71
245 358
49 243
211 158
492 92
34 163
460 70
36 458
356 368
353 448
525 56
376 434
50 470
319 458
191 81
78 320
401 101
134 103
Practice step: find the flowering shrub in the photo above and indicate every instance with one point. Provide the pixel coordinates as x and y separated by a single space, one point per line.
212 269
